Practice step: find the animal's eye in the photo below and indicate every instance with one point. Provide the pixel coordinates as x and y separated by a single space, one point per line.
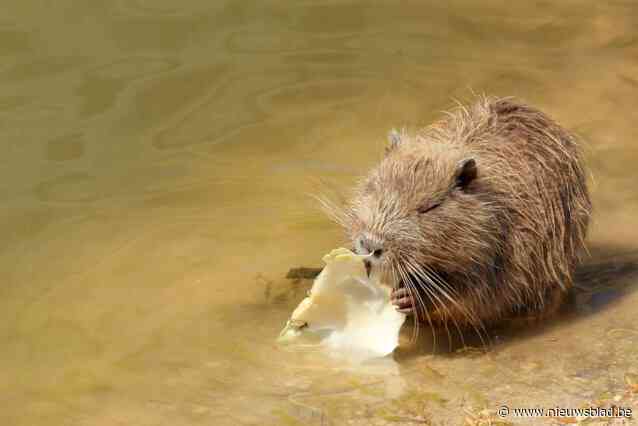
428 207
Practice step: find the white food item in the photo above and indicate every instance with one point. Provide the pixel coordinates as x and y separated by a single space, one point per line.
349 311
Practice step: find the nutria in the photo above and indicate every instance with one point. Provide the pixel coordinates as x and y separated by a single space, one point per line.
479 217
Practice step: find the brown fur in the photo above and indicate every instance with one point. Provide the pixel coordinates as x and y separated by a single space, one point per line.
503 244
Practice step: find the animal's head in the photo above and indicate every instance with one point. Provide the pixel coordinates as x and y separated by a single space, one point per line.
425 216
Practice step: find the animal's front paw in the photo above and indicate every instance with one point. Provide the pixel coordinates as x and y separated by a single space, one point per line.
402 300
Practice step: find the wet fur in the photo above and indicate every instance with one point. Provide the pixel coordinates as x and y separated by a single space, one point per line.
504 245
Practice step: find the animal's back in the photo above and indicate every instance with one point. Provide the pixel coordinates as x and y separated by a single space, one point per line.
532 169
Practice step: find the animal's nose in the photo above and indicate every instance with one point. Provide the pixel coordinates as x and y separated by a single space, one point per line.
367 246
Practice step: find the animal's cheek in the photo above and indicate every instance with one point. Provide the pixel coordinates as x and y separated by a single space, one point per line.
385 260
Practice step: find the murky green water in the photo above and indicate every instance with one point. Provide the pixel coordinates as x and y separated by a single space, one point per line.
156 160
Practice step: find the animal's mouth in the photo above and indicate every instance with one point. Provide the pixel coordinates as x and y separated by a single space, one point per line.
368 266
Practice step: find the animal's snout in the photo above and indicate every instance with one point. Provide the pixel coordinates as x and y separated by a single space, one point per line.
370 262
366 245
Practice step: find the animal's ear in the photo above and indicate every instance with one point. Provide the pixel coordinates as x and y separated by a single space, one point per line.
465 173
394 139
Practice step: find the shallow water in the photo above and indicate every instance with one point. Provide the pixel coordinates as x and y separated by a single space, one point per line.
156 161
